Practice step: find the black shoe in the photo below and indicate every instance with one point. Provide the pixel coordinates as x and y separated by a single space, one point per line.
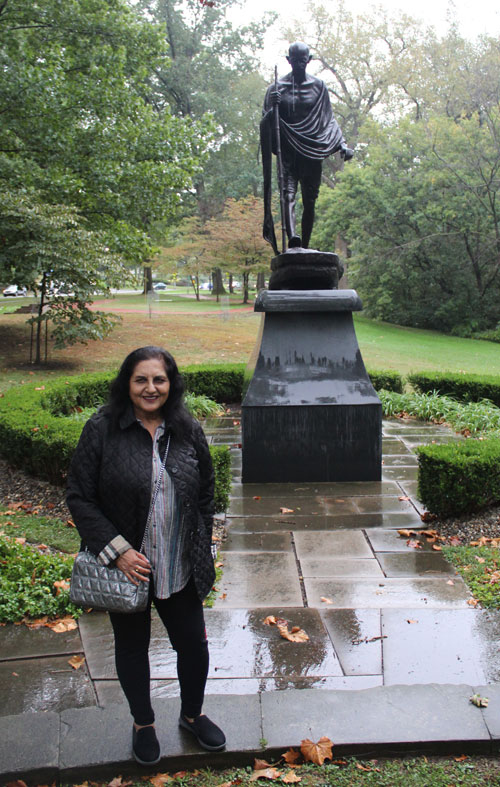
145 746
208 734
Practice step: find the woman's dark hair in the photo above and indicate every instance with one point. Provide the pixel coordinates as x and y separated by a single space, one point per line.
174 410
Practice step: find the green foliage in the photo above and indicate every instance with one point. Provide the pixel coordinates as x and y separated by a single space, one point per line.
223 382
472 417
461 386
460 477
222 467
386 379
479 567
27 583
201 406
41 530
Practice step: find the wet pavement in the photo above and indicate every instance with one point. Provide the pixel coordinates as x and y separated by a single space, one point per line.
387 626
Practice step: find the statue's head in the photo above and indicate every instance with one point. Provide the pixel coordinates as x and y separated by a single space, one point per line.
299 56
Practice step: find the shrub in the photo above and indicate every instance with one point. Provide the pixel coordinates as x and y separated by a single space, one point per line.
221 382
222 467
459 477
27 580
464 387
386 379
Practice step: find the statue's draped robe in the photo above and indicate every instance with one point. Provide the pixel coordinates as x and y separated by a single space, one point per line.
317 136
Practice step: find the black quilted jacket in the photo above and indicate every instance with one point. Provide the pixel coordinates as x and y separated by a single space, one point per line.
109 487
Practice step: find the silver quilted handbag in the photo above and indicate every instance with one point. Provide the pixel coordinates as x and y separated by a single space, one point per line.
107 587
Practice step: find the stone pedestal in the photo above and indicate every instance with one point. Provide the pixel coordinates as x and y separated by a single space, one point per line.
310 412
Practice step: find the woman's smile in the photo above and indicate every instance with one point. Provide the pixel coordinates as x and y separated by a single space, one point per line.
149 388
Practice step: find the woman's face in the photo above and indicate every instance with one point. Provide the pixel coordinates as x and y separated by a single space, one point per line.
149 387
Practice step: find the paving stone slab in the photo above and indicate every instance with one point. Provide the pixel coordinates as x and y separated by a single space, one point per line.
400 473
413 441
399 564
256 524
243 646
20 642
303 506
441 646
393 446
410 488
44 684
403 427
306 489
255 542
357 638
386 593
340 543
100 738
29 745
340 567
383 504
255 579
403 460
490 714
385 540
428 717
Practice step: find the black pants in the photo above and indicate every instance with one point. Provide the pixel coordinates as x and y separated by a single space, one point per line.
182 616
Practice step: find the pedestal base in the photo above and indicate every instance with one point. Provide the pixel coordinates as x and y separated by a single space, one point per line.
310 412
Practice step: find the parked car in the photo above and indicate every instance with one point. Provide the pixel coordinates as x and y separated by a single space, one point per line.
159 285
14 290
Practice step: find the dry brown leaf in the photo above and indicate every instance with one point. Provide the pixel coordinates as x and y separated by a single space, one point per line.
260 765
266 773
404 497
480 702
414 544
20 540
326 600
60 625
473 602
257 497
450 582
407 533
455 541
226 784
270 620
437 548
461 758
36 623
160 779
317 752
408 620
118 782
295 635
479 559
76 661
70 523
291 756
361 767
339 762
291 778
179 775
284 510
61 584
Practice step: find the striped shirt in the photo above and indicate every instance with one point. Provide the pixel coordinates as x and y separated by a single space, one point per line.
167 544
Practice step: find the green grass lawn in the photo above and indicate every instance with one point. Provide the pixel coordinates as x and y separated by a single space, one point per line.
386 346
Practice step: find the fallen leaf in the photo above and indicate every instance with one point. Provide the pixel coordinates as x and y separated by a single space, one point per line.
60 625
407 533
179 775
473 602
15 674
70 523
461 758
480 702
408 620
291 756
284 510
257 497
270 620
160 779
295 635
404 498
260 765
317 752
437 548
291 778
226 784
118 782
339 762
76 661
265 773
219 564
326 600
450 582
361 767
20 540
37 623
413 544
476 557
61 584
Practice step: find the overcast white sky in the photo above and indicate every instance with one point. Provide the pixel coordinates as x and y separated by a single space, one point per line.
474 17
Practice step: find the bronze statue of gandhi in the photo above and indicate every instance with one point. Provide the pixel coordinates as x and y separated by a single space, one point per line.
308 133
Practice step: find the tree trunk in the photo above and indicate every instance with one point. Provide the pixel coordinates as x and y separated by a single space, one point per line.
231 285
195 281
38 339
261 281
343 252
219 288
148 280
245 288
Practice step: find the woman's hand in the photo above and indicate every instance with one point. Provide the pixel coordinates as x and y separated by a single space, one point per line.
135 566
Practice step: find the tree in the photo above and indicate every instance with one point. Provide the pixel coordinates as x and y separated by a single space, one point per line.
236 241
420 213
78 132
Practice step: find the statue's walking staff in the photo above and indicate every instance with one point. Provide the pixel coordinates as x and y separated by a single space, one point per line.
279 164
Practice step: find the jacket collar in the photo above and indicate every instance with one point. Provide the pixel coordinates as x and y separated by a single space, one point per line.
128 417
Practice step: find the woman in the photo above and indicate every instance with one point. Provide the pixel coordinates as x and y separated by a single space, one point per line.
115 468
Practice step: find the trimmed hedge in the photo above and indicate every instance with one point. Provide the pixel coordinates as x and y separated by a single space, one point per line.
386 379
460 477
464 387
37 435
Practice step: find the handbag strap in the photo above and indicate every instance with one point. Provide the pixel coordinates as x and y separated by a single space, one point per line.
155 495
